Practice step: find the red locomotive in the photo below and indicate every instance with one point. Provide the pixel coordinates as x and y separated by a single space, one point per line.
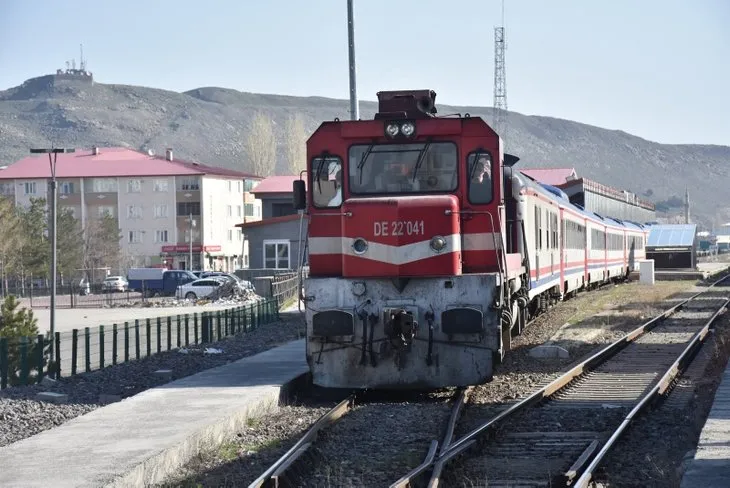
425 254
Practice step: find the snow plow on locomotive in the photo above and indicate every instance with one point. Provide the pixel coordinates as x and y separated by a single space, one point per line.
428 252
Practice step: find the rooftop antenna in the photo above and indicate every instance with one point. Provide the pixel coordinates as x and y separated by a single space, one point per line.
82 66
500 81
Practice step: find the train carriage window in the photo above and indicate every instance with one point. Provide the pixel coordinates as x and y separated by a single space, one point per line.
326 186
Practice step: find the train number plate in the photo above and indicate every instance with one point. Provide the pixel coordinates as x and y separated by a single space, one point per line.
398 228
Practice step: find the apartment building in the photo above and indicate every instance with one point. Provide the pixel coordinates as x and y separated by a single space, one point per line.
153 199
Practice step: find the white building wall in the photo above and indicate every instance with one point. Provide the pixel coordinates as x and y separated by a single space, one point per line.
222 209
147 211
38 189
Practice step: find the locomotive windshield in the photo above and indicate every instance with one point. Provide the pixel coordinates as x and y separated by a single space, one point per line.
424 167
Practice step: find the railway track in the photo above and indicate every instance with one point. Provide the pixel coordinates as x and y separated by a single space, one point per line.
559 435
294 466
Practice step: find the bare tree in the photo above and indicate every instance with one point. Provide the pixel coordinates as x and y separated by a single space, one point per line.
295 144
102 243
12 238
260 145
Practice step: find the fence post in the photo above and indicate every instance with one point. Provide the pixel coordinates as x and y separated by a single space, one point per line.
244 316
87 343
3 363
74 350
136 337
179 331
225 322
195 327
205 332
126 341
114 344
24 360
58 354
101 347
159 334
169 332
149 338
40 342
187 330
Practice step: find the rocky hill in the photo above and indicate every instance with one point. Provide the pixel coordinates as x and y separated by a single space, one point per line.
209 124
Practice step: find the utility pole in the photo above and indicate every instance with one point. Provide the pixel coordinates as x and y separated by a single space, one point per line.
54 270
354 109
192 224
500 81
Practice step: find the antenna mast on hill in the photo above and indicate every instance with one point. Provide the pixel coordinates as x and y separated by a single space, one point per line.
82 63
500 81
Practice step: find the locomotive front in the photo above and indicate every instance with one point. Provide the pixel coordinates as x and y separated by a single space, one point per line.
404 278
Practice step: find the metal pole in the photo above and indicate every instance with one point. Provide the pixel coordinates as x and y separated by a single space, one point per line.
354 109
190 225
53 262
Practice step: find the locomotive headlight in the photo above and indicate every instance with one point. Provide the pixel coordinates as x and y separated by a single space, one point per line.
392 130
438 243
408 129
360 245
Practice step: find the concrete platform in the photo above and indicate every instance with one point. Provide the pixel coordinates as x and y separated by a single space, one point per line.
145 438
703 271
710 466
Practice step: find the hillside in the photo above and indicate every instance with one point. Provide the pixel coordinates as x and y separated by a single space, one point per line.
208 125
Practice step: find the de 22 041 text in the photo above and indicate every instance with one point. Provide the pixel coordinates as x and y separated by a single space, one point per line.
399 228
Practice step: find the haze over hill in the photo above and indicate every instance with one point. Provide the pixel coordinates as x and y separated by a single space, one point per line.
209 125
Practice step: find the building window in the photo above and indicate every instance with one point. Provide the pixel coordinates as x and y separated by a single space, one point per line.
240 235
103 210
30 188
249 185
282 209
230 186
248 209
238 186
276 254
187 208
6 189
134 186
230 235
230 210
238 210
160 211
161 236
161 185
66 188
190 184
135 236
104 185
134 212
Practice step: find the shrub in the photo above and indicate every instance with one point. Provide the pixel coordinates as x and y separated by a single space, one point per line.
17 325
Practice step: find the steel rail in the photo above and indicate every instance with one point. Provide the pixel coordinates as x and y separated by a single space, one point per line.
277 470
657 391
554 386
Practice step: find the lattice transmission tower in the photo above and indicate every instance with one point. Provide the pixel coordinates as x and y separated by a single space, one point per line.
500 81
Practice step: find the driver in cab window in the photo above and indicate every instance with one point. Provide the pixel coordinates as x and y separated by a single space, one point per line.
480 184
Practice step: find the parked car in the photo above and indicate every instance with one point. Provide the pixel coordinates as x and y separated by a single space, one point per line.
243 284
199 288
114 284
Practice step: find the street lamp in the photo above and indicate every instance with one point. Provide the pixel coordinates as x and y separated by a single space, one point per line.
52 162
192 224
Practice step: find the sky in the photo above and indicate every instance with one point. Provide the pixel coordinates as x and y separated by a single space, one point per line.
657 69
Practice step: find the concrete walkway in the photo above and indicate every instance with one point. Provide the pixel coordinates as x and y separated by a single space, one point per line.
143 439
710 467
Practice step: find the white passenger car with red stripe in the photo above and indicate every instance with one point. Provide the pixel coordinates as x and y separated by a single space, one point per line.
427 251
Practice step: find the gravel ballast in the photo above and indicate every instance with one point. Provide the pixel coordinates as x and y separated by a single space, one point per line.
21 415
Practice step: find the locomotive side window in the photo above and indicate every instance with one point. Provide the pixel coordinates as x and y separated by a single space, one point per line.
480 177
327 182
423 167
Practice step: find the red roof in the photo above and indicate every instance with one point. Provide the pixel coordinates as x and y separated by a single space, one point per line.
111 162
276 184
551 176
272 220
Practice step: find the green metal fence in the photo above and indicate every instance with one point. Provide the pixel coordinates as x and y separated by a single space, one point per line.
25 361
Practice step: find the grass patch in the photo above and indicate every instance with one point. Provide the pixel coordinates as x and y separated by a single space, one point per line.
627 294
289 302
228 451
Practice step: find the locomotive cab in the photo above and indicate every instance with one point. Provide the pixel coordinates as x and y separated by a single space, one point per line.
411 280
